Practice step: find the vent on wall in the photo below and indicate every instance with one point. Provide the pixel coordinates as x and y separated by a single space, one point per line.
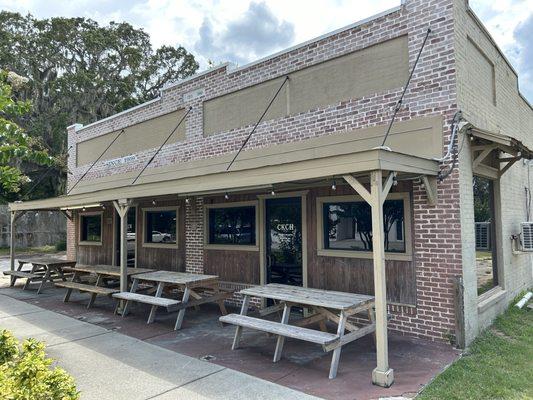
482 235
526 233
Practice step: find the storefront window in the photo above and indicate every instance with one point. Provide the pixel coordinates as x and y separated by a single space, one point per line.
348 226
160 226
91 228
232 226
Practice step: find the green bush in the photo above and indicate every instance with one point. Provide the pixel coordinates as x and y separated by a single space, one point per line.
26 373
61 246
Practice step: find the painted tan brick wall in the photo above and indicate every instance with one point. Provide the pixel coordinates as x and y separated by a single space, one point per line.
508 113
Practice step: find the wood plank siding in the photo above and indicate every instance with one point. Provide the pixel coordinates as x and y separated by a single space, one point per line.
347 274
92 254
355 274
239 266
167 259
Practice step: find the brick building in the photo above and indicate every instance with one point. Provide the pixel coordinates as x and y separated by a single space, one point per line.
288 209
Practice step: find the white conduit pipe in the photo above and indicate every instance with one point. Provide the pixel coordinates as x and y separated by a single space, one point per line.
456 118
524 300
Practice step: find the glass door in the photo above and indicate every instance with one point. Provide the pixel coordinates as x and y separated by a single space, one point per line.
284 240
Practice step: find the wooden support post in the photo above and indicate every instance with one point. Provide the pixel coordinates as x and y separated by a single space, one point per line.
337 352
281 339
12 245
430 184
382 375
158 293
238 330
122 206
181 313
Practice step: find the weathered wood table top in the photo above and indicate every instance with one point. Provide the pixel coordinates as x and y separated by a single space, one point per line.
108 270
186 282
327 305
308 296
47 261
177 278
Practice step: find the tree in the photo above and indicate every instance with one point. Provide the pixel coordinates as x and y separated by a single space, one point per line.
81 72
16 146
482 192
392 213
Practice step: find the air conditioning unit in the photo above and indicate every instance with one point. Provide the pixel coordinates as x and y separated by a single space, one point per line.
483 236
526 235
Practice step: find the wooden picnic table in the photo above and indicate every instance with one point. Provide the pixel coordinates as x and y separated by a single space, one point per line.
326 306
103 273
202 288
44 269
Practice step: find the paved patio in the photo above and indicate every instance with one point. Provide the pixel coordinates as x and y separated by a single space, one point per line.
303 367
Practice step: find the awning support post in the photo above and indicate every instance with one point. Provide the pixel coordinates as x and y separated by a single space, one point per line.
430 185
14 217
67 214
122 206
382 375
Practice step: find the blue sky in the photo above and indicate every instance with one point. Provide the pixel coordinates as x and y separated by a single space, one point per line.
244 30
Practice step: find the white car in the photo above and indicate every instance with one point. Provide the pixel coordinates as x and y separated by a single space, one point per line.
160 237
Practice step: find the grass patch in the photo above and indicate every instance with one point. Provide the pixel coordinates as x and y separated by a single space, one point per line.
496 366
485 287
483 255
4 251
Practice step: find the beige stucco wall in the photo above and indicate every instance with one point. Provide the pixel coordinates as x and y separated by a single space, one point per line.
487 93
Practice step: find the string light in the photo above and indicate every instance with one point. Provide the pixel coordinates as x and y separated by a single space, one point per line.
333 186
153 202
273 193
226 195
187 201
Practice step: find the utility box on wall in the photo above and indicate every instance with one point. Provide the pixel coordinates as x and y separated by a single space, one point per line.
526 236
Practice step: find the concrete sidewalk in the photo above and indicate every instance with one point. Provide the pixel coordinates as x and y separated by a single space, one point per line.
109 365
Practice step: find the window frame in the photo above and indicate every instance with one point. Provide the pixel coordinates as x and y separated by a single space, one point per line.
146 244
80 228
407 217
237 204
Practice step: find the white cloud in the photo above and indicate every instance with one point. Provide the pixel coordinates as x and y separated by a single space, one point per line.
506 22
182 22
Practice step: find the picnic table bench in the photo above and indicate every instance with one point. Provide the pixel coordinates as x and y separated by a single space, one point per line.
43 269
196 286
327 306
102 272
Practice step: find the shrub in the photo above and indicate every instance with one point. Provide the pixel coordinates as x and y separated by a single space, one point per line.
61 246
26 373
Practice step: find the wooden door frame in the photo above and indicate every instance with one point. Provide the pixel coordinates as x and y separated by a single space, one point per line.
262 233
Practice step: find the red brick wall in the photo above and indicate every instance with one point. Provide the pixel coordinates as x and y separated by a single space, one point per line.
432 91
194 242
71 240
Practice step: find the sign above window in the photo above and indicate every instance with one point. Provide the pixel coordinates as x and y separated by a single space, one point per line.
121 160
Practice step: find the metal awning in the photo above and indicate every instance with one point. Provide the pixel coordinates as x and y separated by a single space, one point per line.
216 180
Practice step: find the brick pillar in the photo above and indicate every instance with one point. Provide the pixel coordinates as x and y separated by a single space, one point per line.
194 235
71 239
